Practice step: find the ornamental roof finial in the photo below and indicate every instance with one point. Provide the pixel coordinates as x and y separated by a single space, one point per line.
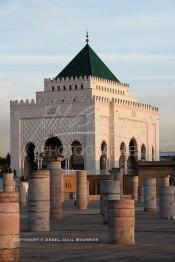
87 37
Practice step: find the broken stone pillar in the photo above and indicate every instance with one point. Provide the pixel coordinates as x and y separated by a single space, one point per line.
55 189
22 195
113 189
121 221
9 226
134 187
110 190
39 201
167 202
8 182
82 189
149 194
117 174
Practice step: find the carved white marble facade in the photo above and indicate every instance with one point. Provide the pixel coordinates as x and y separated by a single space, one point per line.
90 110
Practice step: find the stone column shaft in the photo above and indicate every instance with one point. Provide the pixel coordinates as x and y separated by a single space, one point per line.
22 195
117 174
134 187
55 189
39 201
140 194
167 202
121 221
10 226
8 182
82 189
150 194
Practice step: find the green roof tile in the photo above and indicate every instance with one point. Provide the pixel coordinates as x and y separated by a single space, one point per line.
87 63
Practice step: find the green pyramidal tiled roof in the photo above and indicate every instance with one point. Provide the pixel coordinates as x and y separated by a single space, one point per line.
87 63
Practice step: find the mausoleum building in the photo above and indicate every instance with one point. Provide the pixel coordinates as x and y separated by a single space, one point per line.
86 115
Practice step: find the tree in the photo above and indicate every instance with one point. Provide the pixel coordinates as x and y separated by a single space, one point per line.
5 162
8 159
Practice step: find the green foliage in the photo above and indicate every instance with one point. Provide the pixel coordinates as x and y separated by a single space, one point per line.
5 162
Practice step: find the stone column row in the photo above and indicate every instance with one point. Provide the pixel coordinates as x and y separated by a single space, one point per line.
150 195
45 196
38 209
163 181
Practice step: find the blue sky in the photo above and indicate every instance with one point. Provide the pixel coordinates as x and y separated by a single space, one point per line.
134 38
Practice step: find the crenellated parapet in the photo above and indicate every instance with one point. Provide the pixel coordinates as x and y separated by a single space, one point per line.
76 78
84 78
81 82
110 82
126 103
22 102
99 99
66 84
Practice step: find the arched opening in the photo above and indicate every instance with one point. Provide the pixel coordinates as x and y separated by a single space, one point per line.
153 154
122 155
103 157
29 163
52 149
143 152
133 148
77 160
133 156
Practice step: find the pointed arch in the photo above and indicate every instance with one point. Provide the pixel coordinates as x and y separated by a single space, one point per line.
133 155
53 148
77 157
122 148
29 162
133 148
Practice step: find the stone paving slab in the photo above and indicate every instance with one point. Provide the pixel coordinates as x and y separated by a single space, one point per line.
155 238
